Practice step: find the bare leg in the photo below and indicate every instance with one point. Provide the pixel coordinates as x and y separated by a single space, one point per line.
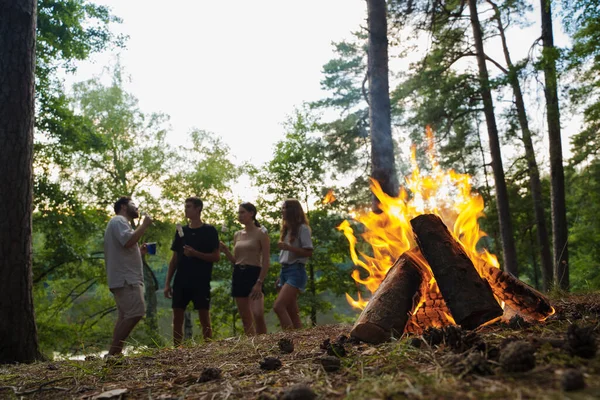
122 330
294 312
205 322
243 305
287 296
258 314
115 339
177 326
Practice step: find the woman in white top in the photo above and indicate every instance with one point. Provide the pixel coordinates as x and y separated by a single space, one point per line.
250 257
296 247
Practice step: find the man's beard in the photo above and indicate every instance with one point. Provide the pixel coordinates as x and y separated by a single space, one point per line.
134 214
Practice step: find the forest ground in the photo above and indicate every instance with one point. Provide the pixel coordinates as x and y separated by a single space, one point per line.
464 365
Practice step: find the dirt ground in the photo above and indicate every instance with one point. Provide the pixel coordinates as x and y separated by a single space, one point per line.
556 359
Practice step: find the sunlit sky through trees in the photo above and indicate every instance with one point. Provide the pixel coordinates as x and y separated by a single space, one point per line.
238 68
235 68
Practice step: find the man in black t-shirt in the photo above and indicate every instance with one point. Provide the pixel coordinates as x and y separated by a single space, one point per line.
195 249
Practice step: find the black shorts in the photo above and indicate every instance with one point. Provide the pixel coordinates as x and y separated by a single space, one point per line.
199 296
244 278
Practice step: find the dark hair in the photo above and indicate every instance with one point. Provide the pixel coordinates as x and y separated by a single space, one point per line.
195 201
123 201
294 217
251 209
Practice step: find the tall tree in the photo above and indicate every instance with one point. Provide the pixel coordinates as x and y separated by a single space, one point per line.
382 145
512 75
504 217
557 175
18 331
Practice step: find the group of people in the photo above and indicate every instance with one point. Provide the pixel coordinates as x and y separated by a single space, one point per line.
196 247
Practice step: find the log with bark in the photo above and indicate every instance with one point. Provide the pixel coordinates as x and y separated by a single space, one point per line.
520 297
388 311
468 296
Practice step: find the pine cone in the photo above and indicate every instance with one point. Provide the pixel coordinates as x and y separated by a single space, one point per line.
330 363
518 356
299 392
286 346
210 374
572 379
270 363
581 341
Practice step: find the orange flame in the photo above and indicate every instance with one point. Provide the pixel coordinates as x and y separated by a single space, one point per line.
389 234
329 197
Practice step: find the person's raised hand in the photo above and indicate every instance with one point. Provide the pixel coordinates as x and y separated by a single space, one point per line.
147 221
223 247
189 251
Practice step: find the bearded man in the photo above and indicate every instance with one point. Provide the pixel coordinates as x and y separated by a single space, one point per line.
124 269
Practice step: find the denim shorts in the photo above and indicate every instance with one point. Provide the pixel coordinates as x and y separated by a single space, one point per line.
294 275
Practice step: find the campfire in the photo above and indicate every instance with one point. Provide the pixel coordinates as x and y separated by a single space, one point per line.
426 267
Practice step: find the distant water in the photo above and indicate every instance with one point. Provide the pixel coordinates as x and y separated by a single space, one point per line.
81 357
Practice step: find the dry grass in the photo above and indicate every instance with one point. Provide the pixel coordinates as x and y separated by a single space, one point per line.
389 371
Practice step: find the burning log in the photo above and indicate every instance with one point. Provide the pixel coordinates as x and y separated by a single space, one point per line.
518 296
469 297
389 308
433 312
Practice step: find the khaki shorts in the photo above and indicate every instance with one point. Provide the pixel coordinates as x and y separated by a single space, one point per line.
130 301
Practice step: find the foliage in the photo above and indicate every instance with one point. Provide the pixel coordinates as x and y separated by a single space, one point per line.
581 18
130 152
583 203
67 31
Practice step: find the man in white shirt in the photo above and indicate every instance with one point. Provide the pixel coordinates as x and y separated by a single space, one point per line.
124 269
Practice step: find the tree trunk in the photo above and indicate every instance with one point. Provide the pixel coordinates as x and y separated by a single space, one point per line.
150 287
557 175
18 333
311 277
313 293
508 244
383 167
534 174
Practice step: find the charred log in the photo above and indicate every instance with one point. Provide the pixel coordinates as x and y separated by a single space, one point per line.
433 312
468 296
519 296
389 309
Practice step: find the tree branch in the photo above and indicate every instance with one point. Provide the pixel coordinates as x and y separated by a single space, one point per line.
102 314
43 274
68 297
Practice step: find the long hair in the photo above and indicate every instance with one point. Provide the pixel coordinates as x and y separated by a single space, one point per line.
252 210
294 217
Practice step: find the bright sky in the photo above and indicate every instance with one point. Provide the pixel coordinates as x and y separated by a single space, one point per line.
238 68
235 68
